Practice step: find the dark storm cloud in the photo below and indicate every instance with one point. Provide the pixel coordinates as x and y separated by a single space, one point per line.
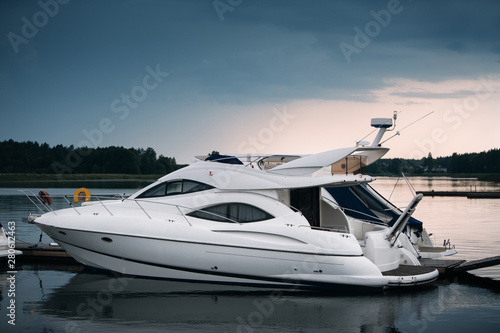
291 48
91 52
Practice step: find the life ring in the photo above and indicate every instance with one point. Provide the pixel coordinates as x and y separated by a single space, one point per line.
45 197
82 194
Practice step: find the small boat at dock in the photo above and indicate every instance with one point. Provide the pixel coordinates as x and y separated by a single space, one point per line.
8 245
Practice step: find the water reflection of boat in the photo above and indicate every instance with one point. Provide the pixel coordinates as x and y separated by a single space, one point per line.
221 220
104 302
158 303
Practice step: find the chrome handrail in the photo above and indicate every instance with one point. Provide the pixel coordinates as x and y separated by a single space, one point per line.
115 197
138 204
71 204
30 195
33 202
104 206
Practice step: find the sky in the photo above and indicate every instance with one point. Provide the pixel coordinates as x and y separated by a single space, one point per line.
186 77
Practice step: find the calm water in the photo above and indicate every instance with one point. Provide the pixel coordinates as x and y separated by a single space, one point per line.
56 298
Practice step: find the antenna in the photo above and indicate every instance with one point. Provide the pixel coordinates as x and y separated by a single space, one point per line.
397 133
383 125
417 120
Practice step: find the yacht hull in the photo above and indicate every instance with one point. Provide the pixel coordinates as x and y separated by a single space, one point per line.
211 262
215 263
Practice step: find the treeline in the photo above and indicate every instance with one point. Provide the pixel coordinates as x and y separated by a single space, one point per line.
32 157
473 163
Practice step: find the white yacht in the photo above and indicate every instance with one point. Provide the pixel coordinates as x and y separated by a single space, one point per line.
7 248
221 220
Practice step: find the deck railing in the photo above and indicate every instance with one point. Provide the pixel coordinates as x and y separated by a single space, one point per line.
44 208
67 200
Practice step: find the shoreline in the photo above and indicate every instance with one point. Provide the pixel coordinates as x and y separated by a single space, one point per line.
19 178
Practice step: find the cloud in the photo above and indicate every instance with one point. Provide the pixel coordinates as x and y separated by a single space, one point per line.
262 53
434 95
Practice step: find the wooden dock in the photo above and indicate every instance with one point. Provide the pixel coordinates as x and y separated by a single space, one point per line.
43 253
468 194
483 195
459 266
475 264
443 266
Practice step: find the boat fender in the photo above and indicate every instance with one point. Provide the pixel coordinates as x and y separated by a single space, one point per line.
81 195
45 197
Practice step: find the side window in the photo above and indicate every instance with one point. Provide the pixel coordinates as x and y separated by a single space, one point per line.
215 213
174 187
159 190
190 186
247 213
232 212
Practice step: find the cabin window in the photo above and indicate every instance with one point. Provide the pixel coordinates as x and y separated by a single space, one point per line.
232 212
273 161
175 187
157 191
189 186
351 165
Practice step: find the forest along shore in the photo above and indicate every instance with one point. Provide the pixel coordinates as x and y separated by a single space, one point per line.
62 161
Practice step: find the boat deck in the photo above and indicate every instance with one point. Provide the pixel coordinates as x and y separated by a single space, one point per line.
404 270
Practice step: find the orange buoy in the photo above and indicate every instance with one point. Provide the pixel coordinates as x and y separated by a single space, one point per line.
82 194
45 197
